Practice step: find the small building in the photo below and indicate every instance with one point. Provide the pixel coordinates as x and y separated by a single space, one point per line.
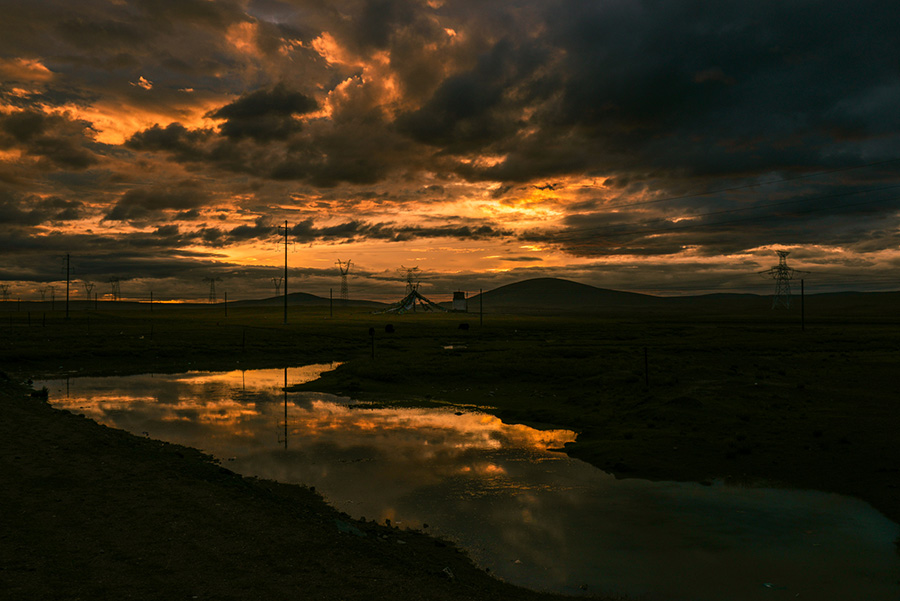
460 303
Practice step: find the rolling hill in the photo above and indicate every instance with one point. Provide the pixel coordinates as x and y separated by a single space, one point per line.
553 294
303 299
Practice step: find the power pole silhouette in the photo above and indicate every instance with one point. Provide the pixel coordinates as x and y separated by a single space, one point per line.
114 284
88 286
212 288
345 289
277 282
4 291
285 277
782 274
68 262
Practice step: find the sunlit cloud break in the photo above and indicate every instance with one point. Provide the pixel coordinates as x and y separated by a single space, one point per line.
624 145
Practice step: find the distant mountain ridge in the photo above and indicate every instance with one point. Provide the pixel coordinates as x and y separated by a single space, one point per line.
556 293
544 295
305 299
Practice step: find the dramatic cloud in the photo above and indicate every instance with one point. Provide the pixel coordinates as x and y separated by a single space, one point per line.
486 141
264 115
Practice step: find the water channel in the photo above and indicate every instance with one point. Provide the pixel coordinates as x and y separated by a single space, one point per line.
529 513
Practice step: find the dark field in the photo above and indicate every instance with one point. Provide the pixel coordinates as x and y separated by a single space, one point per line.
691 391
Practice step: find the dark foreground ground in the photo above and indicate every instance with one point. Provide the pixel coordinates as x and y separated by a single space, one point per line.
91 513
94 513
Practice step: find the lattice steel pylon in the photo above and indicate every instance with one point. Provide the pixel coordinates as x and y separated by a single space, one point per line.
345 288
114 285
782 274
277 282
212 289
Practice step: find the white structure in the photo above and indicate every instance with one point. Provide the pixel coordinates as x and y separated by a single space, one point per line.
460 303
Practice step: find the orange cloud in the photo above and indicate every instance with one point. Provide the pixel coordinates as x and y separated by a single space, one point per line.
24 70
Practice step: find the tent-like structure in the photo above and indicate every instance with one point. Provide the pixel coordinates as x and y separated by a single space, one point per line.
412 300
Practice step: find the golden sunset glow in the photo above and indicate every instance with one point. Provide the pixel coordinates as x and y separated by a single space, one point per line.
240 405
490 145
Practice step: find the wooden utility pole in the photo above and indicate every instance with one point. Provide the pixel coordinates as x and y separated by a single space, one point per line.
481 306
67 286
285 270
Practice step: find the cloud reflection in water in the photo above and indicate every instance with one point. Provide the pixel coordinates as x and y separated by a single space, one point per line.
535 516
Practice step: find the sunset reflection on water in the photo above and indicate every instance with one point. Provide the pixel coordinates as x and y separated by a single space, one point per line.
239 416
530 513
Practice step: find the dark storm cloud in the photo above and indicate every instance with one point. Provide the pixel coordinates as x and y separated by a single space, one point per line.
174 138
59 141
729 223
307 231
141 205
477 108
727 90
264 114
380 18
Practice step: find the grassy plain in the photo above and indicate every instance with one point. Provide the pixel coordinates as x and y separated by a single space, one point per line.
746 395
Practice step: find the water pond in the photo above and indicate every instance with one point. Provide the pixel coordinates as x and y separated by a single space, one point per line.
529 513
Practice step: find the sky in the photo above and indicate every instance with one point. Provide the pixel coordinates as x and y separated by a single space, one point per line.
668 147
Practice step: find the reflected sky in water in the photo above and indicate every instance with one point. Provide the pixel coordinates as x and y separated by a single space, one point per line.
532 515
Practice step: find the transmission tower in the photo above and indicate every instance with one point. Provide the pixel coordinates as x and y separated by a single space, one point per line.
88 286
114 285
345 289
411 284
43 292
4 291
782 274
212 288
277 282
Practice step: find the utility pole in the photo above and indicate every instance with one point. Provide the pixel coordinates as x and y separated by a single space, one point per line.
213 297
115 287
345 289
67 286
782 274
88 287
285 270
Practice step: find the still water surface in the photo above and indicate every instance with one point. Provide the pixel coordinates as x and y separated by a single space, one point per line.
532 515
